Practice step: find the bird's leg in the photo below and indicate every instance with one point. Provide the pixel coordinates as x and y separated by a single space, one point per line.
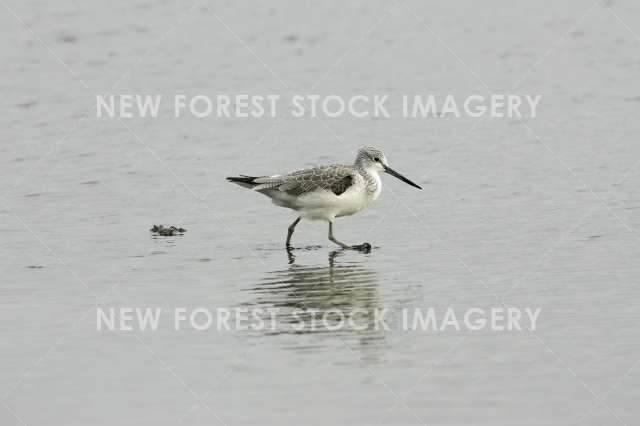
291 229
366 247
332 238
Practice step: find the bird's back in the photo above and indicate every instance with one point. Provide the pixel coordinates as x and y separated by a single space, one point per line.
336 178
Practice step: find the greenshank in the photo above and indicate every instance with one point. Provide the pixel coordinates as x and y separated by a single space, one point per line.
326 192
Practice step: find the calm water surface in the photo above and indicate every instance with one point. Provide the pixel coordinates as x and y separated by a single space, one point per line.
544 216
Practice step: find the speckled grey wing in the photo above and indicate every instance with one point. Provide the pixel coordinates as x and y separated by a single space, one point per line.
336 178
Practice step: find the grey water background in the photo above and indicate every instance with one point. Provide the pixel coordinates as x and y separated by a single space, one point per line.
542 215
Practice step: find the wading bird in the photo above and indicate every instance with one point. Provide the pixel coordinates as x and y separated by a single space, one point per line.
326 192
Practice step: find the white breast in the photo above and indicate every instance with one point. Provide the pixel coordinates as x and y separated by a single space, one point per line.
378 190
359 196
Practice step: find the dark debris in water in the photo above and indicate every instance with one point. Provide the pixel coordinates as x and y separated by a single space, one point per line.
167 231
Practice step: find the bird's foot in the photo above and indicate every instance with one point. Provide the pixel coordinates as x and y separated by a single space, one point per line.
364 247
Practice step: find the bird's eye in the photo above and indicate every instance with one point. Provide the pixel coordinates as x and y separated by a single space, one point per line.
376 159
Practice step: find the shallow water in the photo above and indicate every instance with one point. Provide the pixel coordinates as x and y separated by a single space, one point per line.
544 216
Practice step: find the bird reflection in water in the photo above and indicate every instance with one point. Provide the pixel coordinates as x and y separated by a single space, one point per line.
306 298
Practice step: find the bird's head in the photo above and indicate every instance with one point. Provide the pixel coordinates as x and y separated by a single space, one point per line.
371 158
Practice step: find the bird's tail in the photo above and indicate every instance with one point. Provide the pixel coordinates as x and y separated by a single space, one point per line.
245 181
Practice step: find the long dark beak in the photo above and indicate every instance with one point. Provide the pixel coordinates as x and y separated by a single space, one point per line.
399 176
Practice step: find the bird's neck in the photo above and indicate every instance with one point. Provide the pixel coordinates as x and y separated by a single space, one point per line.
371 177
